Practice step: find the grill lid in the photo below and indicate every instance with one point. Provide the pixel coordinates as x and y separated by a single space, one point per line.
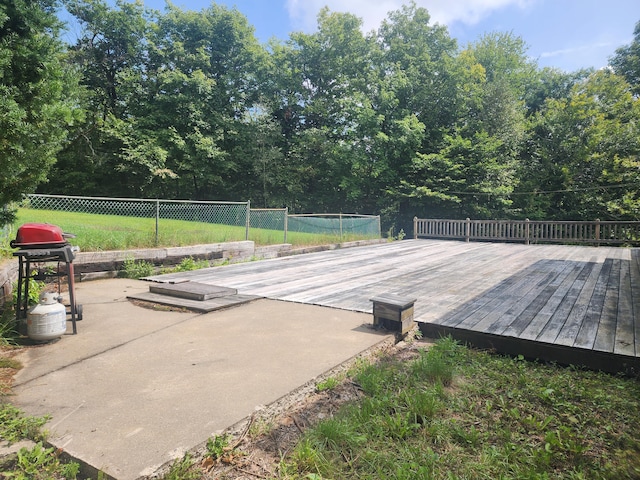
40 235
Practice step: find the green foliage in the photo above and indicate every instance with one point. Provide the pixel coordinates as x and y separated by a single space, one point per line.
327 384
457 413
189 264
35 288
399 121
114 232
5 248
626 61
183 469
217 446
8 328
586 150
10 363
133 268
14 426
40 463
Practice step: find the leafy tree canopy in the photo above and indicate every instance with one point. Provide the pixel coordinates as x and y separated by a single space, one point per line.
37 97
399 121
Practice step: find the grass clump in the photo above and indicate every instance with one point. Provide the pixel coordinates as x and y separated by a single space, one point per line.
8 328
188 264
136 269
183 469
14 426
454 413
132 268
38 463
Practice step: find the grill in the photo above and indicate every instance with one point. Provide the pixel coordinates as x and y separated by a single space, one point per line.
44 243
40 235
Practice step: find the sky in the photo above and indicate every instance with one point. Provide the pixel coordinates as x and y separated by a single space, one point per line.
564 34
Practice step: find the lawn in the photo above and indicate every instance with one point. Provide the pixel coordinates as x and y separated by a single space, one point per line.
114 232
458 413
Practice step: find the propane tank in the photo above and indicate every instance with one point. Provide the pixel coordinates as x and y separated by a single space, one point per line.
48 319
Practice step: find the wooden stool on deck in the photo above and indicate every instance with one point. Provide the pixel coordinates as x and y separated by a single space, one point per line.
393 312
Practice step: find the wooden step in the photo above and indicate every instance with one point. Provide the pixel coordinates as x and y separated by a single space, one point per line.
192 290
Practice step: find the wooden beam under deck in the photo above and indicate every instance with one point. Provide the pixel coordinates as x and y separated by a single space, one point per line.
569 304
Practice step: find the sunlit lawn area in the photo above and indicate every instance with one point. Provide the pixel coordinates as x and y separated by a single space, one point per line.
113 232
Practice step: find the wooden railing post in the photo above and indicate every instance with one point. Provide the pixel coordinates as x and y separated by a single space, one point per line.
415 228
597 232
467 228
527 230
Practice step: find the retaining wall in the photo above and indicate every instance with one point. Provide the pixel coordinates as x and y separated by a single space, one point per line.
93 265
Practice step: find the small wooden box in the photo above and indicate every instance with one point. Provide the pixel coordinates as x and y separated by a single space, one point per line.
393 312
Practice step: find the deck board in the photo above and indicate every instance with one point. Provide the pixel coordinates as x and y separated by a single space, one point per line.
568 298
623 333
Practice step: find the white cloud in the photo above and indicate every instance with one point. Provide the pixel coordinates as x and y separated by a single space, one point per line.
577 50
303 13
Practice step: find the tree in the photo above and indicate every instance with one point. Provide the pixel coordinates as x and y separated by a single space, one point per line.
200 83
170 92
416 59
473 170
37 97
626 61
318 94
110 54
586 159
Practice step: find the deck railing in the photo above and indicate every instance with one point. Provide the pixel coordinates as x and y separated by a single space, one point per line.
531 231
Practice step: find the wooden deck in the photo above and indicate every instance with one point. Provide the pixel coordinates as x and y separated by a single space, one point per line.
569 304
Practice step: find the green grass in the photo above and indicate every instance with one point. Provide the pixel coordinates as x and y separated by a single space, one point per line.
113 232
456 413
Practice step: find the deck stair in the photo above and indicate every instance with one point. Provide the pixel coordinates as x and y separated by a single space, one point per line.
196 296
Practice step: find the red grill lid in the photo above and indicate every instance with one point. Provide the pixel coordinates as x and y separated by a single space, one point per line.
39 234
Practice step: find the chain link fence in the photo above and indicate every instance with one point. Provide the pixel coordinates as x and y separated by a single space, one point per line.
338 225
264 226
225 213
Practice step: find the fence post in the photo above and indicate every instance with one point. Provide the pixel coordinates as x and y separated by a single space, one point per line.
379 228
467 230
415 228
248 222
157 219
340 226
597 232
527 231
286 223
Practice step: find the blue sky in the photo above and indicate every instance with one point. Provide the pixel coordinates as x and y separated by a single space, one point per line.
566 34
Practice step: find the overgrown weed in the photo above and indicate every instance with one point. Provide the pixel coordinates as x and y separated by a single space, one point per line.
14 426
38 463
132 268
